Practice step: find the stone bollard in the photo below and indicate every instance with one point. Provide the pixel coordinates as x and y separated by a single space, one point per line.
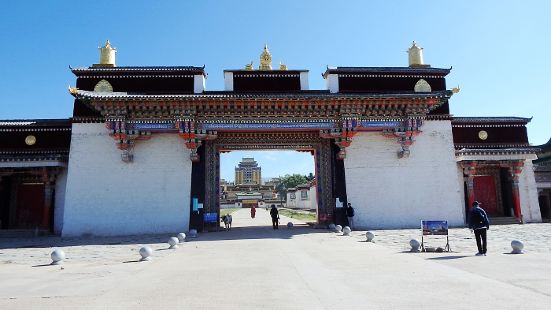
414 244
57 257
369 236
181 237
146 252
517 246
193 233
338 228
173 242
346 231
331 227
290 225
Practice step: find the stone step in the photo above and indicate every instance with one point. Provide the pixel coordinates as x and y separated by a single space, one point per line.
504 220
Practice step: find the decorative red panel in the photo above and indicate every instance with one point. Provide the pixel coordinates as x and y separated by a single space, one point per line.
485 193
30 205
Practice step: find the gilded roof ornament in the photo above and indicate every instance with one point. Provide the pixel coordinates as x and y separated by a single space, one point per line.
249 66
103 86
455 90
265 59
107 55
73 90
415 56
282 66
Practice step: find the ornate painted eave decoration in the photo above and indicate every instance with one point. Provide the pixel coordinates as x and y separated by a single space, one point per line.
198 117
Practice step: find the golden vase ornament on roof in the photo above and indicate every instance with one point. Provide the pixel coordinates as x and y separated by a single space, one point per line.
107 55
265 59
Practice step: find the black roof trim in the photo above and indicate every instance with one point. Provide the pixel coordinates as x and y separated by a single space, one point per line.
388 70
138 69
490 119
61 122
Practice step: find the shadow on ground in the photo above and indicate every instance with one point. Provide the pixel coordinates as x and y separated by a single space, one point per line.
237 233
447 257
257 232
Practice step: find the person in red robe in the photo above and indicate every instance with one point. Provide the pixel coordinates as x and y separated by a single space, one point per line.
253 212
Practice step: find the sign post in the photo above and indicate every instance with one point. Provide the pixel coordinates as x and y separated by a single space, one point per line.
435 228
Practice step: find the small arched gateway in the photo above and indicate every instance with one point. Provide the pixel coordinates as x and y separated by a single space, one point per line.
146 141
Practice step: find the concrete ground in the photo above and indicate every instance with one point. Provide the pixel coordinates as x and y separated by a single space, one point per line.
253 266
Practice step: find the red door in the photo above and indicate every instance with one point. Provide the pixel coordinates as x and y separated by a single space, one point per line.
30 205
485 193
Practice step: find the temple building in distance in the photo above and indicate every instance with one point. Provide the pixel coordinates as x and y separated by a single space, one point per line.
248 172
141 151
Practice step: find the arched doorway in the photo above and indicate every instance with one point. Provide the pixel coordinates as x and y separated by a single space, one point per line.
327 171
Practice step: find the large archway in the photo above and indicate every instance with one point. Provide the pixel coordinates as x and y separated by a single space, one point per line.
329 174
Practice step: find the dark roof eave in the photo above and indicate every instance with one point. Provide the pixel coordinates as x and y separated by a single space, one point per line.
232 95
79 71
490 119
504 151
388 70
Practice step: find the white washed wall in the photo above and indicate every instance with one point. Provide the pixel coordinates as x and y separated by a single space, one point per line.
389 192
528 191
106 196
59 202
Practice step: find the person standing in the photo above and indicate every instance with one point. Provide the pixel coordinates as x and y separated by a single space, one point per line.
478 221
253 212
275 217
350 215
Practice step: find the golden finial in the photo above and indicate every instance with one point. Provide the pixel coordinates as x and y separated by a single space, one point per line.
265 59
282 67
415 56
249 67
107 55
455 90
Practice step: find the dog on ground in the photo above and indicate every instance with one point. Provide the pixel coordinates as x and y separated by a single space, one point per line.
227 219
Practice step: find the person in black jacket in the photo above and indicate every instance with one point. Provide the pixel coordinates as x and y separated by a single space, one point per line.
350 215
275 217
478 221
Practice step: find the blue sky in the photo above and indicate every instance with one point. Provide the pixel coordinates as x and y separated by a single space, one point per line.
499 50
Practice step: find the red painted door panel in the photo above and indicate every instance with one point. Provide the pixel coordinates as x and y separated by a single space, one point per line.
30 205
485 193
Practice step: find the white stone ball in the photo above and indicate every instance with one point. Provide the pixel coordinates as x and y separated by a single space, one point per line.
517 246
338 228
181 237
146 252
346 230
173 242
369 236
290 225
331 226
57 256
414 243
193 233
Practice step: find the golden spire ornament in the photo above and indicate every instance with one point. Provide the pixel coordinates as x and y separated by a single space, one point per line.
265 59
106 55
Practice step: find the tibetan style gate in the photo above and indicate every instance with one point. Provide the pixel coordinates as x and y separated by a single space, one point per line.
299 141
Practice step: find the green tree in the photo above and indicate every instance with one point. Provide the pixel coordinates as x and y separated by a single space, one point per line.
290 181
294 180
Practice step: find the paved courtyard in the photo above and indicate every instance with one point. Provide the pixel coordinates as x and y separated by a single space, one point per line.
253 266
